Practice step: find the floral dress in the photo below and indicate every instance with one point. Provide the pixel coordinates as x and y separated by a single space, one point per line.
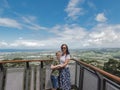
64 75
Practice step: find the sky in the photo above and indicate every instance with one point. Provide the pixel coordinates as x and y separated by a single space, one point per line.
46 24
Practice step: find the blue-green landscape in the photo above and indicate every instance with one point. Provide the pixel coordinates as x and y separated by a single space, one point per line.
97 57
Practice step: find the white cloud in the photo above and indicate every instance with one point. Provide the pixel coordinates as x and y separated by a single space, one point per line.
3 44
73 10
41 44
7 22
29 23
36 27
29 19
102 35
26 22
26 43
64 34
100 17
69 32
78 37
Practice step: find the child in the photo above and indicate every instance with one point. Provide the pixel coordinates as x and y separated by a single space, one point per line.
55 71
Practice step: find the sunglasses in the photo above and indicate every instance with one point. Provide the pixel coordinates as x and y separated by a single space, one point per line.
63 48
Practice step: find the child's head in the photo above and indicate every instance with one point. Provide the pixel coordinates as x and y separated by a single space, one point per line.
58 54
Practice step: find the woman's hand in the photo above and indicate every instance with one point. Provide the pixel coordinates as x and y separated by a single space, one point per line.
56 66
52 66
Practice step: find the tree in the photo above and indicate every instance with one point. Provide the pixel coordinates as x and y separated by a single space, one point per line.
112 66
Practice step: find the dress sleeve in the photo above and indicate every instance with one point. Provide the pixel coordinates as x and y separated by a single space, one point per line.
68 57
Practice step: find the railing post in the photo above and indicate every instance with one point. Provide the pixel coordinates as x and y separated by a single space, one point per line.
27 65
1 67
1 76
101 81
81 77
41 76
76 73
27 76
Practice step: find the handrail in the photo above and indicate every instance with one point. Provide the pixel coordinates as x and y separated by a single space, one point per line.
113 77
19 61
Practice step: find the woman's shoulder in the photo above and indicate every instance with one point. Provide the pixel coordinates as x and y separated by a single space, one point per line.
68 56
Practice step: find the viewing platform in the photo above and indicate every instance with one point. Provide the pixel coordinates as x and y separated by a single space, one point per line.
30 76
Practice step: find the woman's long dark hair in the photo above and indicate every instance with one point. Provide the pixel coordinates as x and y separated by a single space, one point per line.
67 50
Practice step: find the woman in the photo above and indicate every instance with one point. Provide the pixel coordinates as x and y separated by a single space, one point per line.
64 74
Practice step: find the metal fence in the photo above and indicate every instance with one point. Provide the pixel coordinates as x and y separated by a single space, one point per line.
37 77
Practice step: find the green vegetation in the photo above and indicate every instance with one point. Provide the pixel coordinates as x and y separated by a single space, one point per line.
106 59
15 64
112 66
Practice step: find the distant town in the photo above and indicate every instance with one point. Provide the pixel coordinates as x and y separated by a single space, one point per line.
104 58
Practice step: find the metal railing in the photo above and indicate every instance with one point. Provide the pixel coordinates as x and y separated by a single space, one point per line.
37 77
89 77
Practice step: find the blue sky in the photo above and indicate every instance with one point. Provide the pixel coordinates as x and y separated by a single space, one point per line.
46 24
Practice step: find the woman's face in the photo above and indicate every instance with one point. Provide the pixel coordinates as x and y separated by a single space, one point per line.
64 48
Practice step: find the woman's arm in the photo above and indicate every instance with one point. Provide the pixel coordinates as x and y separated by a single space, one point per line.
67 59
65 63
55 66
